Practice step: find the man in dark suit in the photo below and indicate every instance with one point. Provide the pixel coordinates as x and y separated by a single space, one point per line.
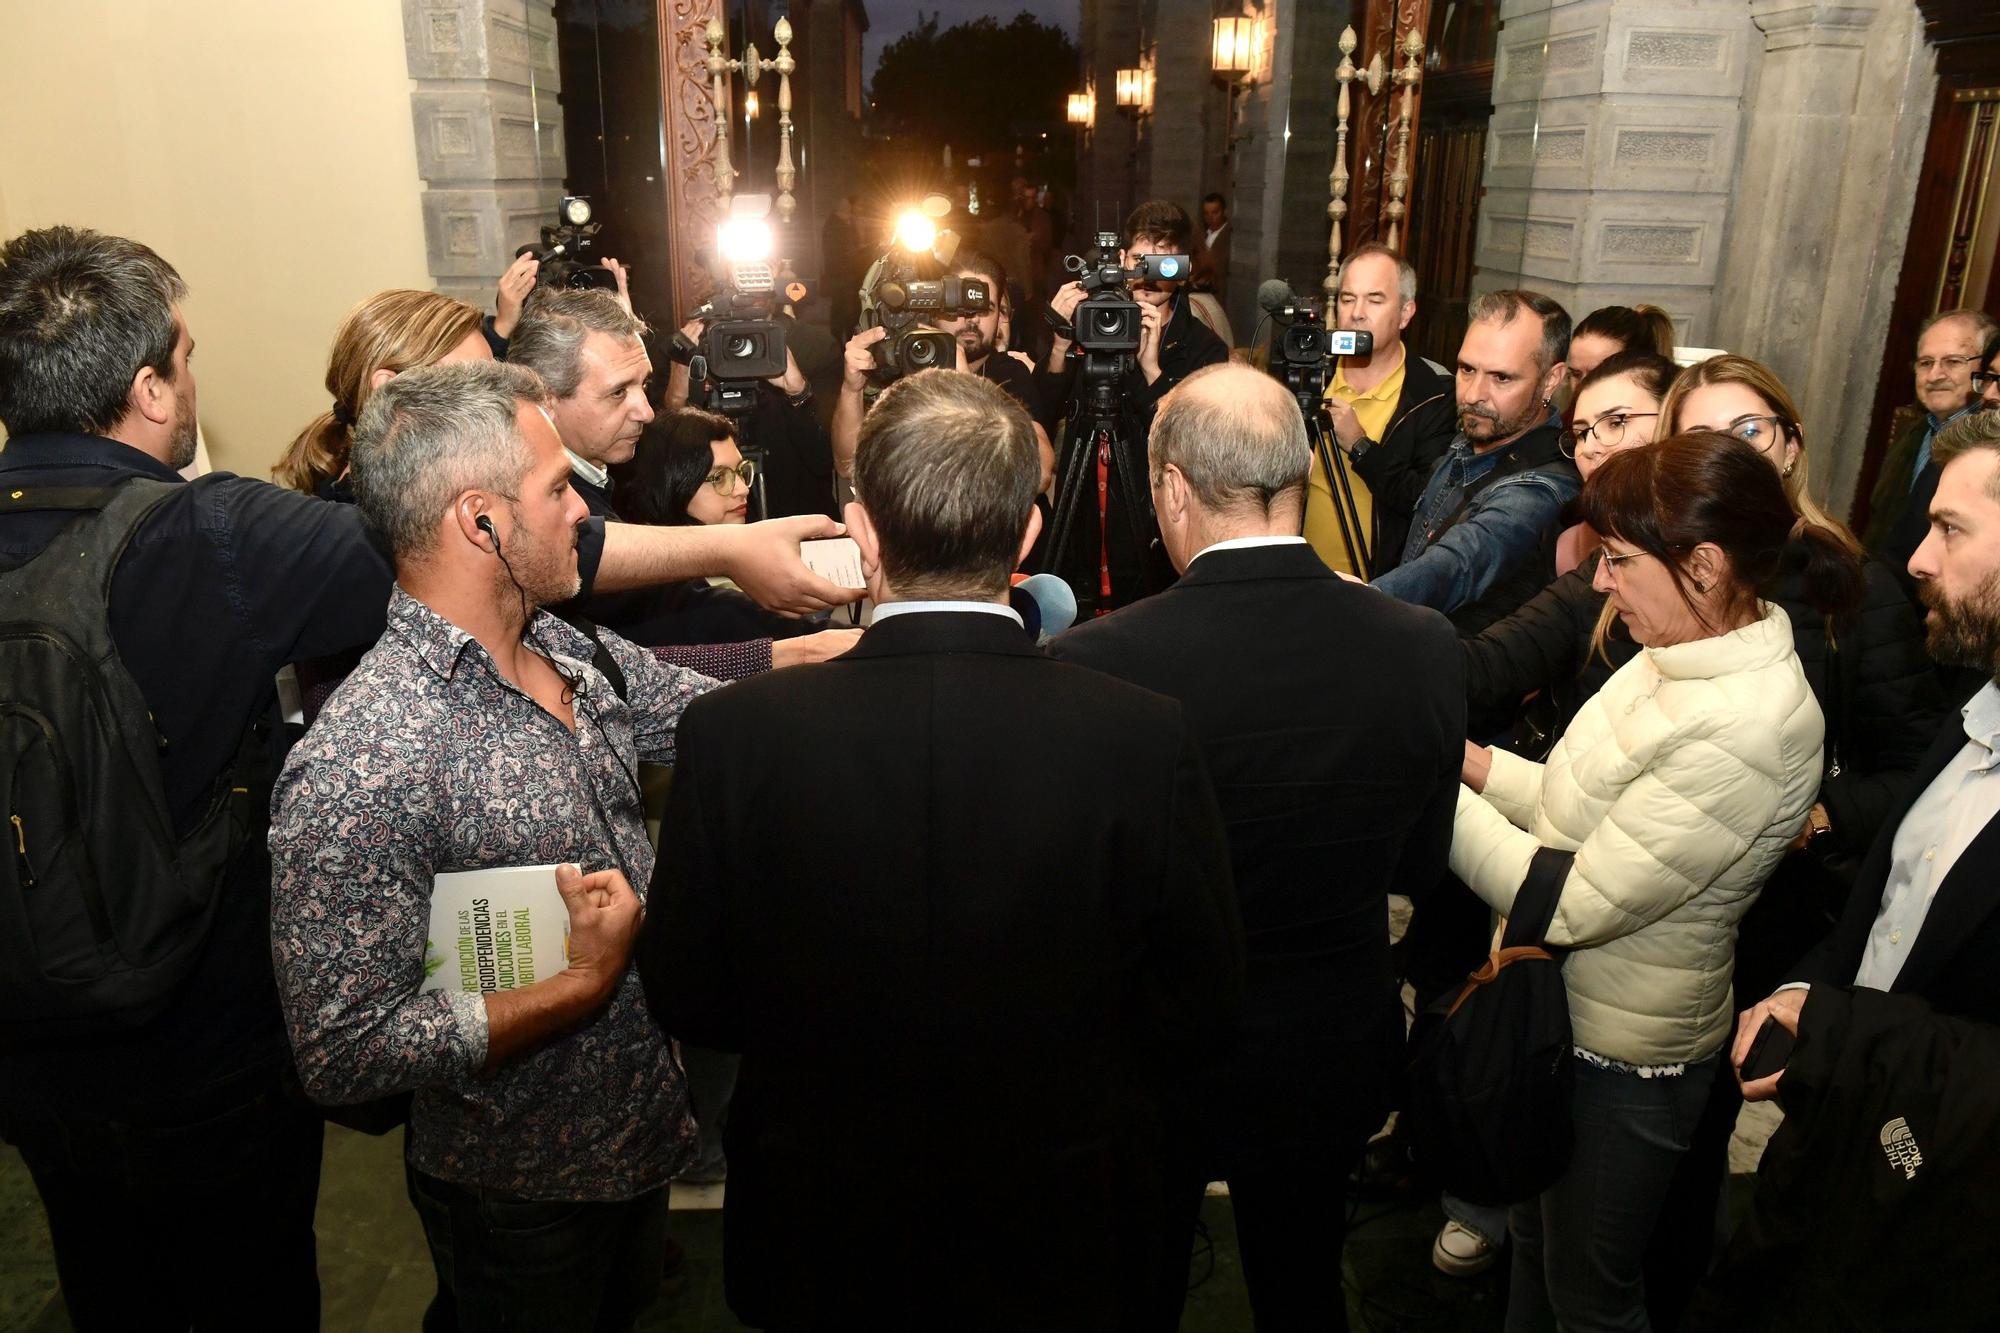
1898 1012
1948 348
967 914
1333 720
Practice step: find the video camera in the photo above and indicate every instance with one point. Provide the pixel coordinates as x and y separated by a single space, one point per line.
1304 345
1107 320
565 251
741 343
910 285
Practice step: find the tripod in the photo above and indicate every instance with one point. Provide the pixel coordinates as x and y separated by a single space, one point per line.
1093 437
1307 390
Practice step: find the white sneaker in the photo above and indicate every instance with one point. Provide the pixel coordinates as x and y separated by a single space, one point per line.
1462 1252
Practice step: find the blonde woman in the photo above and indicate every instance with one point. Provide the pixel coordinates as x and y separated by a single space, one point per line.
388 333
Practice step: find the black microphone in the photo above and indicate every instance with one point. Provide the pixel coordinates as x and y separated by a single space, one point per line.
1275 296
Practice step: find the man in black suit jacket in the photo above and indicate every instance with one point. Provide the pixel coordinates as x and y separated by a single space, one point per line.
1922 926
967 914
1333 720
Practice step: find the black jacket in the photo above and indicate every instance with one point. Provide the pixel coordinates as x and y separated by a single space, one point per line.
1397 465
1137 568
1875 1207
1876 687
966 912
675 614
1332 722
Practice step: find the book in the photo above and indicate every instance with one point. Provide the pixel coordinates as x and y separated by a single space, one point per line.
500 928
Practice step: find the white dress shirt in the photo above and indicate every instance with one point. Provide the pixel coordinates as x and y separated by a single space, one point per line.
1245 543
889 609
1952 811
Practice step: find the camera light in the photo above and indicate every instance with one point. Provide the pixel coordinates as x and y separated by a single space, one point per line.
744 240
915 232
575 210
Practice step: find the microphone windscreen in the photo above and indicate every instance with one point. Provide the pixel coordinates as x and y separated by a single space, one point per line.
1027 608
1055 600
1273 295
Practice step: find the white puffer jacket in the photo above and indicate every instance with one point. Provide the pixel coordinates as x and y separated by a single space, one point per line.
1678 786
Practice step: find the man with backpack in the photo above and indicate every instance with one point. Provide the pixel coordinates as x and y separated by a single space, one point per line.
144 1071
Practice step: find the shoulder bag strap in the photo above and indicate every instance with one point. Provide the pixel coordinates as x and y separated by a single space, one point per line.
1535 905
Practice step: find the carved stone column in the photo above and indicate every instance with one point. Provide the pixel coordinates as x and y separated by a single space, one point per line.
1833 142
1610 161
489 133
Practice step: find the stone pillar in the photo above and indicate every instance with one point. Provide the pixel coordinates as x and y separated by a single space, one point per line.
1106 183
1611 157
1833 141
489 133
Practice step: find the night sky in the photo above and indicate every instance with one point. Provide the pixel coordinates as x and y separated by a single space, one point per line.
890 19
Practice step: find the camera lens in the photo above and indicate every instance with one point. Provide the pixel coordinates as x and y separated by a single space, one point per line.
743 347
1109 323
922 353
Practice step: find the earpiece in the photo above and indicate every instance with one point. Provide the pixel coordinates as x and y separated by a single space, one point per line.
486 523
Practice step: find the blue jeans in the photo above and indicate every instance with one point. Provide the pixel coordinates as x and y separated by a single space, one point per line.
508 1263
1579 1249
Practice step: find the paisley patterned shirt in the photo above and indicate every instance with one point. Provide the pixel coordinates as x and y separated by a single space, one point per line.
425 760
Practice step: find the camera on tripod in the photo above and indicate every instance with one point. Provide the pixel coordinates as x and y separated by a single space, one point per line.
1107 320
741 343
565 251
909 287
1304 345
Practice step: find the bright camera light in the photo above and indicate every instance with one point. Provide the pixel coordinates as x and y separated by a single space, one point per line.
915 232
744 240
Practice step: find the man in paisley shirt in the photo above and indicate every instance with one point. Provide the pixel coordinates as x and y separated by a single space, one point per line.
548 1119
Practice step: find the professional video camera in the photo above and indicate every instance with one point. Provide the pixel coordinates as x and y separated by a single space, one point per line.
1302 353
565 251
741 341
1107 328
910 285
1107 320
1305 347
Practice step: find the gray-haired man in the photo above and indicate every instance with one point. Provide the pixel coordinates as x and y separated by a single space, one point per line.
1332 720
479 732
587 348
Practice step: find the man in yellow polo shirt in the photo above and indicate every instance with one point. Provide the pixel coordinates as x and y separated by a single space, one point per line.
1392 414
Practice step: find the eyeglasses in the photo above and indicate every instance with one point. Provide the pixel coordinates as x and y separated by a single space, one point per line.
1609 430
1612 560
1760 433
1924 365
1983 380
720 479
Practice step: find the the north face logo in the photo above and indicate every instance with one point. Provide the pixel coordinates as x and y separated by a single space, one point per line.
1900 1145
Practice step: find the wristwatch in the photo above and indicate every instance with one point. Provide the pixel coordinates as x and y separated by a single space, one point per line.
801 398
1817 824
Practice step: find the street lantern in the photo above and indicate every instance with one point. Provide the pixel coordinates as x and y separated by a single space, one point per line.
1131 88
1082 108
1234 52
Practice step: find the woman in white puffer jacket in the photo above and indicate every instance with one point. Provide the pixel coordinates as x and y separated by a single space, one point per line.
1678 787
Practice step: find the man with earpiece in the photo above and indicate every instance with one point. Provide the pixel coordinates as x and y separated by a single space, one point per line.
483 732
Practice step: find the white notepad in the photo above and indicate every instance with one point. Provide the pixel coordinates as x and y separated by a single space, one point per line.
495 929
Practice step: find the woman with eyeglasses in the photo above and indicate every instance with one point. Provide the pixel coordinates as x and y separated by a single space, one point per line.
1676 788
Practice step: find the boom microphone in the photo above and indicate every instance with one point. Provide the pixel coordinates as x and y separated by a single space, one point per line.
1275 295
1045 603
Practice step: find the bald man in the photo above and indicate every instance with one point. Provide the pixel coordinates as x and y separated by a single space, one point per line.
1332 718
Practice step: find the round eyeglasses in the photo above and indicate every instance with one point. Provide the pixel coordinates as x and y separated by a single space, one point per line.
723 477
1609 430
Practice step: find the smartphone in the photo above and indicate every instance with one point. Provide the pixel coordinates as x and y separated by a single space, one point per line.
1770 1051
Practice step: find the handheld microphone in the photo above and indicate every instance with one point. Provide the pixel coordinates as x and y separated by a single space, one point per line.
1050 604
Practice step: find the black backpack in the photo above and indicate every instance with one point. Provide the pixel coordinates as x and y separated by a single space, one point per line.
103 909
1488 1111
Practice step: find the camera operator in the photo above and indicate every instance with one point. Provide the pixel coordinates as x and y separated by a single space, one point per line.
1392 412
978 337
518 283
1173 344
